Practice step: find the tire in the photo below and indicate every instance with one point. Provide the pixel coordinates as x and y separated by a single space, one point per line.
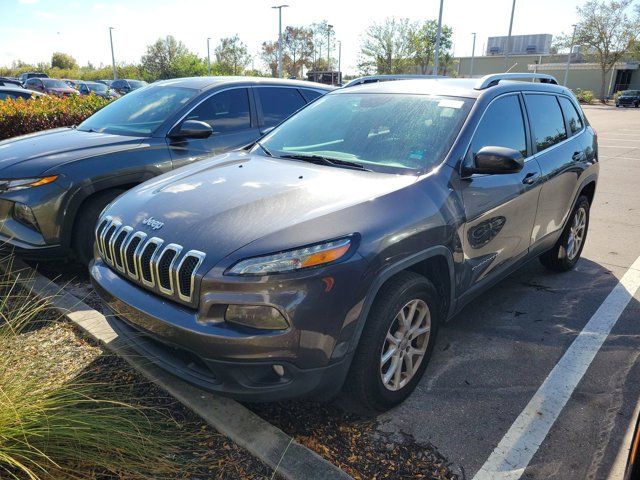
364 389
567 250
83 238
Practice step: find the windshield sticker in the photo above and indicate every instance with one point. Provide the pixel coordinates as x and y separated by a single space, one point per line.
447 103
416 155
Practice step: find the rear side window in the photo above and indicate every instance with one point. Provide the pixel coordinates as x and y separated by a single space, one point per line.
310 95
571 115
546 120
226 111
501 126
278 103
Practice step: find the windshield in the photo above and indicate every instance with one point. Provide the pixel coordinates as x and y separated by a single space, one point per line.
97 87
395 133
54 83
140 112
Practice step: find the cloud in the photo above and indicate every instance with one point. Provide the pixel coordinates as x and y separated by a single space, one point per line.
44 14
26 2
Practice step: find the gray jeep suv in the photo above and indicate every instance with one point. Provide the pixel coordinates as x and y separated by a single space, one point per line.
328 253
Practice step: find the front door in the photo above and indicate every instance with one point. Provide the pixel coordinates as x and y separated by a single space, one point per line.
230 115
500 209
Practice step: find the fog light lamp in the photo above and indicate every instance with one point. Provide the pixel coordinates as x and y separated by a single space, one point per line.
23 214
279 369
256 316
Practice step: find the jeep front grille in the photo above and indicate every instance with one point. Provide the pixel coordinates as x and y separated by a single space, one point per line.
147 261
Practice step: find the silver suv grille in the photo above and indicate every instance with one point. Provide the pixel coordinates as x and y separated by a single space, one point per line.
148 261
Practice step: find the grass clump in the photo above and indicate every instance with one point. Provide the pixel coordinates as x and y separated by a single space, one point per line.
55 421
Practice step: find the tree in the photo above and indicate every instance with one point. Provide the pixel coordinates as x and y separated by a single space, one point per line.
63 61
232 56
297 43
269 55
323 39
422 44
170 58
606 28
386 47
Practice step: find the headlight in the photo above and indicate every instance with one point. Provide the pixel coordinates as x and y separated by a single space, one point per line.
291 260
22 183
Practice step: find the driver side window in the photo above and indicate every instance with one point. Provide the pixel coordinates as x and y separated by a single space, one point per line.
226 111
501 126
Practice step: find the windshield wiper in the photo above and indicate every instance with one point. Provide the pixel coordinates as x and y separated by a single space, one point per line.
321 160
264 149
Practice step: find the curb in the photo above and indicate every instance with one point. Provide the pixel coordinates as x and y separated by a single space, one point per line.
268 443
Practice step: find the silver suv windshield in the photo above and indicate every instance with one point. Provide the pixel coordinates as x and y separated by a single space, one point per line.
140 112
394 133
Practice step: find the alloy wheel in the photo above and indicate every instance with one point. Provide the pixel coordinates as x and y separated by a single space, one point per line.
405 344
577 233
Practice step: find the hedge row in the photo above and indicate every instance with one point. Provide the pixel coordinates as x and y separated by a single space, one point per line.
19 116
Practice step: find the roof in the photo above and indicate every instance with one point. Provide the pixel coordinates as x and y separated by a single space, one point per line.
204 83
456 87
11 88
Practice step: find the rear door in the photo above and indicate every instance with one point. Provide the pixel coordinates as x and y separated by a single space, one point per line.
500 209
275 104
231 116
561 155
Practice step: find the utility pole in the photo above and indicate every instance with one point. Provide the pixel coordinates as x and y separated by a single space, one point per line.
329 27
436 60
566 70
473 54
280 7
507 50
113 58
208 56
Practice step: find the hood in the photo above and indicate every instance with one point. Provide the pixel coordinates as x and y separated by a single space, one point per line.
221 204
32 155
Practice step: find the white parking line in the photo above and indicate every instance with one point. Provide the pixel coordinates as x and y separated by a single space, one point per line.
617 146
516 449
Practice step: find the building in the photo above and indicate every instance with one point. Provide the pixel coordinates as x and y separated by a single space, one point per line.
584 75
520 44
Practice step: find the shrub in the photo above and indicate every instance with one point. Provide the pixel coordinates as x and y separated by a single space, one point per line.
19 116
584 96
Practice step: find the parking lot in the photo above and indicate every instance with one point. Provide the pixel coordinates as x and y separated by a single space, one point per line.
491 360
494 356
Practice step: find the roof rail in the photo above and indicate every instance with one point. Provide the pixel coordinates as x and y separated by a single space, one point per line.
387 78
493 79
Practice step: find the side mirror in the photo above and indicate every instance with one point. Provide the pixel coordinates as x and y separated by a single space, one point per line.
497 160
193 129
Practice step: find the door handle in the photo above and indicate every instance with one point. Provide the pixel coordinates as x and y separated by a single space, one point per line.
530 178
577 156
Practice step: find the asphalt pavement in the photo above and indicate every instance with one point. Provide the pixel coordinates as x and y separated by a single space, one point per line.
512 347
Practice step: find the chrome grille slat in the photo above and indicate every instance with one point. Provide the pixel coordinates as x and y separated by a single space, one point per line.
149 262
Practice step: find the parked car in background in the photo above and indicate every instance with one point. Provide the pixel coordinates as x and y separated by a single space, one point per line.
124 86
12 91
4 81
328 254
23 77
51 86
628 98
106 82
99 89
55 183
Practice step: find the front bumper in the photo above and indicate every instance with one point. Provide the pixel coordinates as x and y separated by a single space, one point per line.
229 360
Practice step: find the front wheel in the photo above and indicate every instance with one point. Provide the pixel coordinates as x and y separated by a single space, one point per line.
395 345
567 250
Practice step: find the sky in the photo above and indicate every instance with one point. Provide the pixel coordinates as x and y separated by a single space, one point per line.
31 30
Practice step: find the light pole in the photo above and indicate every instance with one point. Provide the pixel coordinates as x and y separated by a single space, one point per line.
329 27
280 7
566 70
473 54
436 61
340 61
208 56
506 53
113 58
